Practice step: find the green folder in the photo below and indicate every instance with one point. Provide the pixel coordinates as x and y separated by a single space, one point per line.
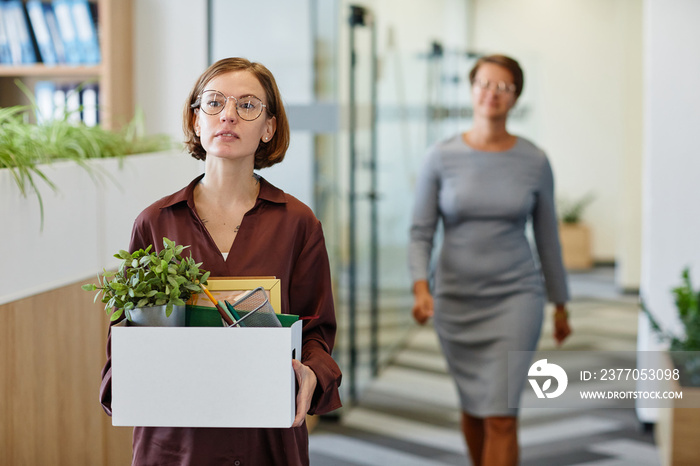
204 316
234 314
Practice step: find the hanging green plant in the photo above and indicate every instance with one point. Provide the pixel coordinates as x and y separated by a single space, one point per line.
25 146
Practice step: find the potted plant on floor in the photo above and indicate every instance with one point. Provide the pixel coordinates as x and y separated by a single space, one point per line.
678 427
151 287
574 234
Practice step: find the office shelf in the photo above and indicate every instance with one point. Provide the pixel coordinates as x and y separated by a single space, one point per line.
114 74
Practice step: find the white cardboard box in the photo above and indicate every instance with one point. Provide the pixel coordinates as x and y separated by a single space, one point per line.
204 376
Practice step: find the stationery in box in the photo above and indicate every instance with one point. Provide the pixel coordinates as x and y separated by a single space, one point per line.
229 287
204 376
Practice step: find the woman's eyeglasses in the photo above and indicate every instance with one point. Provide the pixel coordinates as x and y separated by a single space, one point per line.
248 108
497 87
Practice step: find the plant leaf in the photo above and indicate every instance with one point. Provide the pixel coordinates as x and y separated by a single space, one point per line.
142 303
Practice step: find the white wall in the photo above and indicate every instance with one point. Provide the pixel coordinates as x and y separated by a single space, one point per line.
285 47
672 116
671 165
170 52
582 62
628 238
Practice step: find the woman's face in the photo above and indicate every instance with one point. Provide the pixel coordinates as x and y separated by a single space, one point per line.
493 91
226 134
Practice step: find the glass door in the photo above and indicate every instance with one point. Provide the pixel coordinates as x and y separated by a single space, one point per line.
363 279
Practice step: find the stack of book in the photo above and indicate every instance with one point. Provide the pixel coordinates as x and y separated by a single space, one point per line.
76 102
59 32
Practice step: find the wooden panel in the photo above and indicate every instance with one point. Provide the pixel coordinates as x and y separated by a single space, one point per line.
52 349
43 71
685 428
678 429
116 86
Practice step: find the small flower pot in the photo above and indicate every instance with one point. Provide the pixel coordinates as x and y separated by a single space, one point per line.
576 246
678 425
154 316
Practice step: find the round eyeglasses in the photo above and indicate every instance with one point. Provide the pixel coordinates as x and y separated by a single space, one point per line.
497 87
248 108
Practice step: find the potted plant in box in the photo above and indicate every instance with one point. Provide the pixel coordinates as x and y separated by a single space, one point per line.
151 286
678 427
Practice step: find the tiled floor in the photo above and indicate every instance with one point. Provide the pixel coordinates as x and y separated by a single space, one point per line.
409 414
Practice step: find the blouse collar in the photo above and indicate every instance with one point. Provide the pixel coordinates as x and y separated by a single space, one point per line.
267 193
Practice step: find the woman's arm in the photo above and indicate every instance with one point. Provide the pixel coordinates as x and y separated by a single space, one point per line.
310 295
423 302
546 231
562 329
423 225
425 218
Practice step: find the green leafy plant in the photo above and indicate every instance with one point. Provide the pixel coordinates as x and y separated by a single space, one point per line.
688 305
146 278
571 211
25 146
683 347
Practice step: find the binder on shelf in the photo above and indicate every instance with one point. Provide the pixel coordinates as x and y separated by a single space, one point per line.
19 34
43 92
64 18
59 102
11 30
86 32
37 18
72 103
5 55
55 33
89 98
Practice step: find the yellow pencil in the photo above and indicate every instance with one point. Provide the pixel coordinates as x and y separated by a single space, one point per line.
224 313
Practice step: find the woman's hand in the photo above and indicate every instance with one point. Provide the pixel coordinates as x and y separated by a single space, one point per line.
307 385
423 302
561 324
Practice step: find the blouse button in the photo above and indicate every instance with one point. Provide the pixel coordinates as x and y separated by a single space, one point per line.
237 463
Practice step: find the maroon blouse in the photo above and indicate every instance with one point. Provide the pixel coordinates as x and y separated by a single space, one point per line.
281 237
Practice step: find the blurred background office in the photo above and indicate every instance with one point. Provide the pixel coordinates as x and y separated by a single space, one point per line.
370 85
610 95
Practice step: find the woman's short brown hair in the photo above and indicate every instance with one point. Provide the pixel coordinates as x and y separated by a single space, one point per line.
268 153
507 63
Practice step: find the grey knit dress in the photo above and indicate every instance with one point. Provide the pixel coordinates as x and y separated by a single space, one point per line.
489 286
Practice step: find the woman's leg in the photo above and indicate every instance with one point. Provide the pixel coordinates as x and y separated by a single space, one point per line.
501 441
473 429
